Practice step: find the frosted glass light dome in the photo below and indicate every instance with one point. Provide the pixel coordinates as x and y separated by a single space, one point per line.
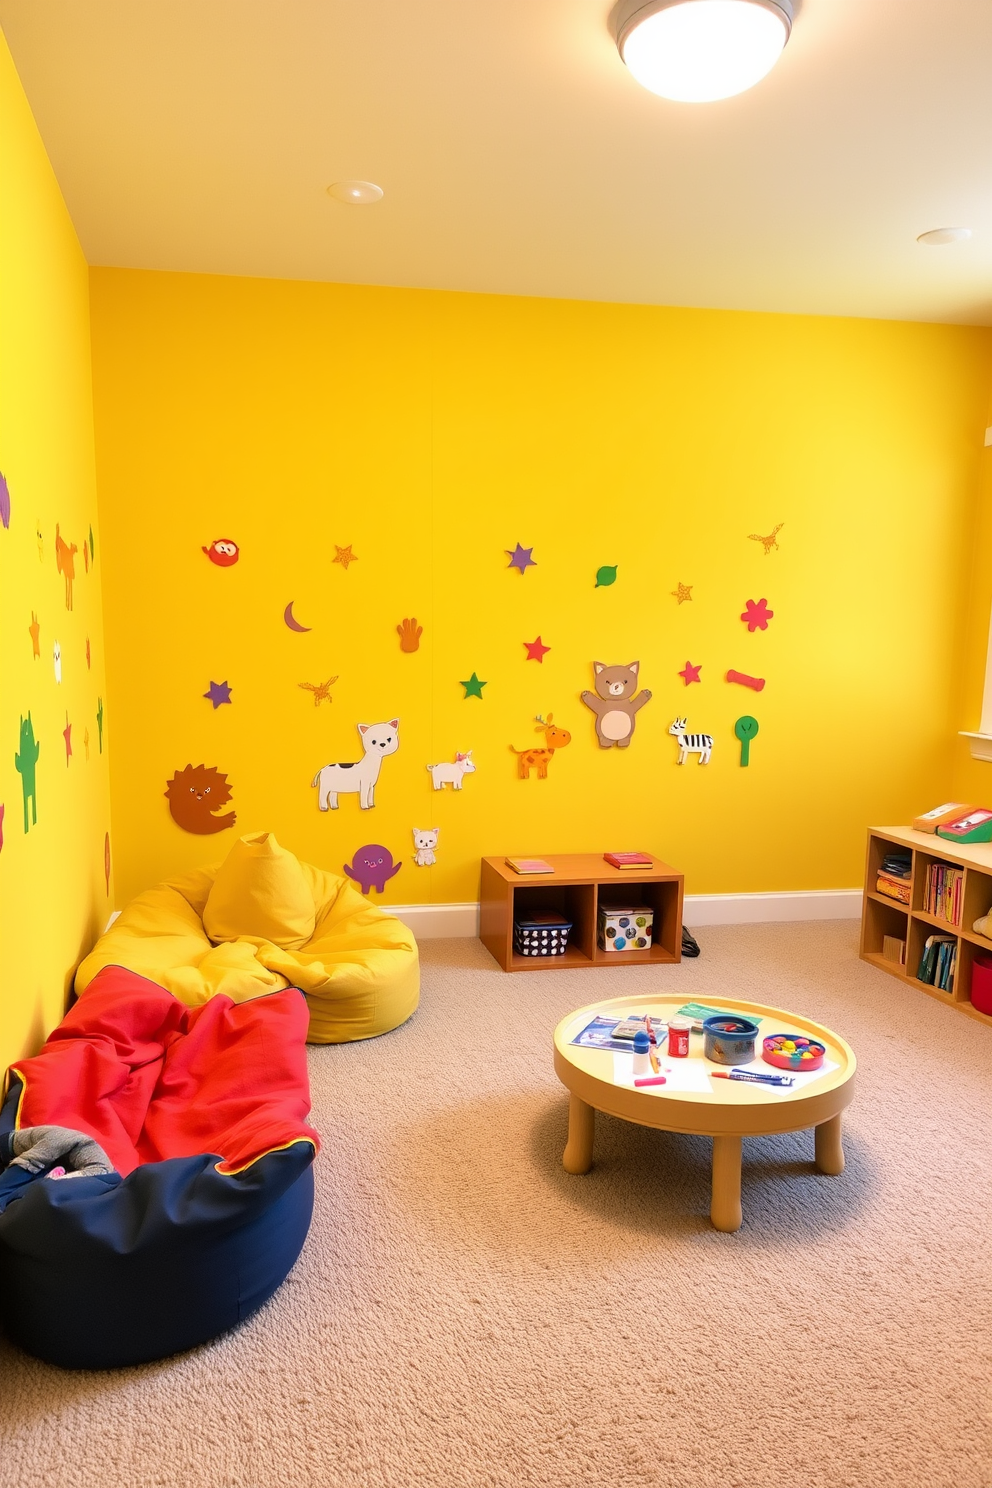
695 51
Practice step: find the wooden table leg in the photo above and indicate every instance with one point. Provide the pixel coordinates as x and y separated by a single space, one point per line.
581 1129
829 1151
725 1205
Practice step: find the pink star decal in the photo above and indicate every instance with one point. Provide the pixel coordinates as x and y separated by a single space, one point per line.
757 614
536 650
690 673
67 736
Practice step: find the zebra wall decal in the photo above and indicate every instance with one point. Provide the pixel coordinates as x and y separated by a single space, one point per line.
701 744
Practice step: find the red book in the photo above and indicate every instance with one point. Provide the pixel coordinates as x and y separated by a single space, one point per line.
629 860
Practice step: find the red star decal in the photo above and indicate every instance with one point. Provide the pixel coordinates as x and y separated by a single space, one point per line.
536 650
690 673
67 736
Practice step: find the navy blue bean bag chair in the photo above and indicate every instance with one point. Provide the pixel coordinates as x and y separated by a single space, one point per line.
202 1113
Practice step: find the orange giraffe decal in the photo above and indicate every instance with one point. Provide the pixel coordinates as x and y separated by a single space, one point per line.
65 558
538 758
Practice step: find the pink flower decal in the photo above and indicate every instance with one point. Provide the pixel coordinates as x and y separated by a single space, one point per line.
757 614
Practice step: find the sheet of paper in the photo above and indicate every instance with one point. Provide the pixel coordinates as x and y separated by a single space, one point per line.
693 1075
680 1074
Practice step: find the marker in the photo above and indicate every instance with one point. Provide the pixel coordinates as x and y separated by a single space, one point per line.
651 1080
752 1077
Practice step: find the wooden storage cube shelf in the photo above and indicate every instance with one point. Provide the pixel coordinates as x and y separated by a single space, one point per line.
919 930
883 917
580 881
577 902
666 932
962 977
879 915
977 898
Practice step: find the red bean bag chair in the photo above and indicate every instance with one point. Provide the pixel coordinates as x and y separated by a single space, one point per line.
202 1112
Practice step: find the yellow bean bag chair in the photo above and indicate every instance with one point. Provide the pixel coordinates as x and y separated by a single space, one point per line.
260 921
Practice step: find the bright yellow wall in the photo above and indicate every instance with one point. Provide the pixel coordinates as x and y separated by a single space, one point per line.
971 778
433 431
53 894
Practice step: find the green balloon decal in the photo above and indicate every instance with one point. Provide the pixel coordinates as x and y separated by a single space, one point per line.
745 728
606 575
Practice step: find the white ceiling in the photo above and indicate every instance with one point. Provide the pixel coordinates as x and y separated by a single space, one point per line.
516 153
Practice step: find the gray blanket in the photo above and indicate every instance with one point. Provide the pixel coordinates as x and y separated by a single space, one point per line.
39 1147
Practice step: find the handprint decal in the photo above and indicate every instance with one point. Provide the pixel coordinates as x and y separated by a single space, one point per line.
409 633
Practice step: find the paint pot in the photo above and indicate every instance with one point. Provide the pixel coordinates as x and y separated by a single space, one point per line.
642 1055
678 1037
729 1039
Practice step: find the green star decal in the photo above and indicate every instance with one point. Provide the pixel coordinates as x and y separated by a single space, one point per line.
473 687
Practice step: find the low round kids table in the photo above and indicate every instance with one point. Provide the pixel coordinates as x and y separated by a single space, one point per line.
695 1103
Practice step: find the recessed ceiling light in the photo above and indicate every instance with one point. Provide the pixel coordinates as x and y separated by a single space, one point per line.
695 51
355 193
940 235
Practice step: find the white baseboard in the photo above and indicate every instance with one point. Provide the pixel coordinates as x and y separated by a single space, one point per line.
461 921
438 921
756 909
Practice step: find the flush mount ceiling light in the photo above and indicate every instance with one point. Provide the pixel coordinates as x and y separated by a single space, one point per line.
940 235
695 51
355 193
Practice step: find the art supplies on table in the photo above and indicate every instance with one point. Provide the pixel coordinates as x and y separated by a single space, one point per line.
974 826
699 1012
529 865
942 892
642 1055
792 1051
629 859
751 1077
728 1038
679 1030
543 933
938 962
940 815
625 927
618 1033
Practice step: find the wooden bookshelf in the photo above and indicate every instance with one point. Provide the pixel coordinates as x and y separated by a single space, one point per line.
882 916
580 883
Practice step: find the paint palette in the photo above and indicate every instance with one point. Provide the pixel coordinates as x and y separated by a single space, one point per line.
790 1051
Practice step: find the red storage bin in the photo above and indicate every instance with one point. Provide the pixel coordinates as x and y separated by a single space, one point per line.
981 982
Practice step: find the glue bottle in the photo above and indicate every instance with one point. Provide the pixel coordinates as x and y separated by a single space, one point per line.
642 1057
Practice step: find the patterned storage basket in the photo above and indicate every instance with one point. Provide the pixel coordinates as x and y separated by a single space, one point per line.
625 927
542 934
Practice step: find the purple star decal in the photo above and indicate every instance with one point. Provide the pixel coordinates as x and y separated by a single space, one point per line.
218 692
520 558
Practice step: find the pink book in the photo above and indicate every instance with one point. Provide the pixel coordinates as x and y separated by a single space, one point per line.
629 860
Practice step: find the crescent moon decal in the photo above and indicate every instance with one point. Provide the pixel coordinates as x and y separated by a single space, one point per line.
291 620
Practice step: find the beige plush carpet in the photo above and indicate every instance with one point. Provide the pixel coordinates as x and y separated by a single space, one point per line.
465 1313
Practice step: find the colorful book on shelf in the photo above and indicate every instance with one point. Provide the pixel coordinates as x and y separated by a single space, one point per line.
937 962
942 893
629 859
893 888
529 865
